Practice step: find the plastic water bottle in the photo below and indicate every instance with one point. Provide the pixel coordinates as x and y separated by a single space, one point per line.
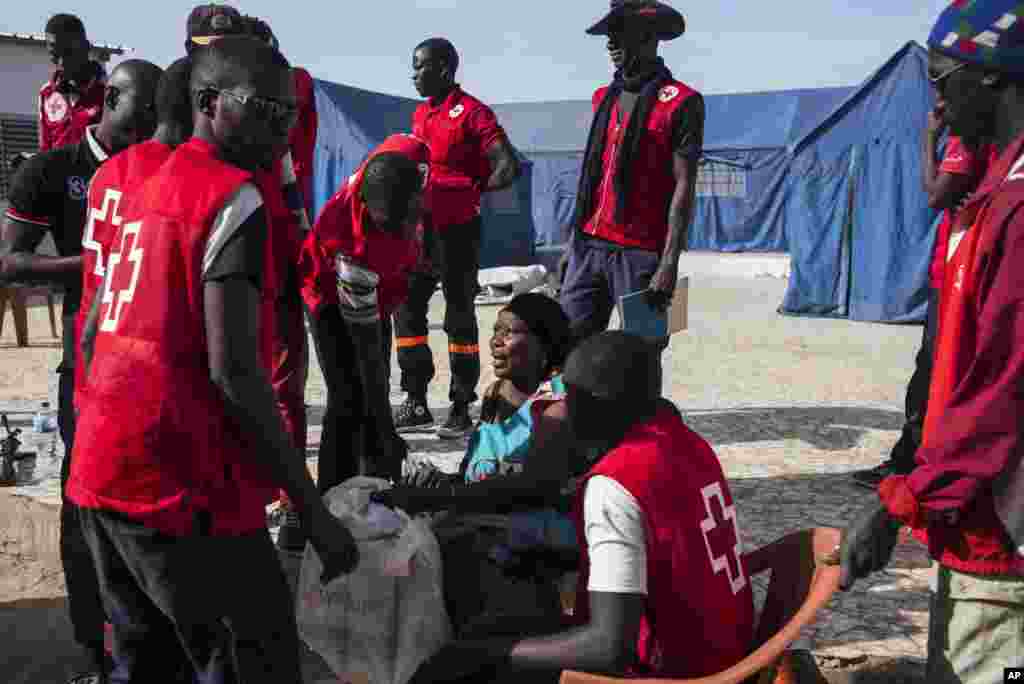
43 420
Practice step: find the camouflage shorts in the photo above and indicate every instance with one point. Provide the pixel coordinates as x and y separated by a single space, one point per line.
976 628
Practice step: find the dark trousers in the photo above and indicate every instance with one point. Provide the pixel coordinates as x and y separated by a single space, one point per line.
455 262
84 603
599 273
916 402
214 610
349 443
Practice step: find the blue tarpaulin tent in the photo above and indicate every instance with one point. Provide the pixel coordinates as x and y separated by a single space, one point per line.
860 231
830 175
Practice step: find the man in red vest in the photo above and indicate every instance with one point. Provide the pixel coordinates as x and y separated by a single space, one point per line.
469 154
180 444
355 272
965 498
663 592
72 100
638 180
115 181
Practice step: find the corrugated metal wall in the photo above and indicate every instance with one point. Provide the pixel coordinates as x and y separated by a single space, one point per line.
18 133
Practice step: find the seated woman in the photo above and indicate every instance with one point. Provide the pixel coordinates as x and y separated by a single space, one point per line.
502 544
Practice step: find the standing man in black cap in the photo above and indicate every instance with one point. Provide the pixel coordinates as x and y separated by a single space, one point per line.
72 100
637 184
207 23
469 155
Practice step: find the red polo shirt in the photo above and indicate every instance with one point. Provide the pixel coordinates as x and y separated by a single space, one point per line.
64 116
458 130
962 161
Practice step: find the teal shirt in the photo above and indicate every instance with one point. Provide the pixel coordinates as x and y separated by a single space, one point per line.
500 448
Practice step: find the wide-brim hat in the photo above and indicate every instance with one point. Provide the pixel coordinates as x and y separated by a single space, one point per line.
666 21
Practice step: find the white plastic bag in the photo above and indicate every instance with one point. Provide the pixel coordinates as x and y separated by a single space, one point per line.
378 624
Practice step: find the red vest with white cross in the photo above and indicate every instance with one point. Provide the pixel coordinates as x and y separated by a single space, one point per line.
154 441
644 221
699 615
108 191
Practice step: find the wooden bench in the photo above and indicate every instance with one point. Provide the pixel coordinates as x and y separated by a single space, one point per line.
18 295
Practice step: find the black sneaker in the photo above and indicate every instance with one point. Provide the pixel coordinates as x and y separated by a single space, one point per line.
458 425
413 416
290 536
872 477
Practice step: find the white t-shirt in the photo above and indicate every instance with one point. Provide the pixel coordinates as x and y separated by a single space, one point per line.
616 538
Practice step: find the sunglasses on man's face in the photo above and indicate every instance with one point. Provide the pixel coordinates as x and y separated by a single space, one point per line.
263 107
937 81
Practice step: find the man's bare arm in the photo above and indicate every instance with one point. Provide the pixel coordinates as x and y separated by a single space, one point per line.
18 260
680 214
680 209
606 645
505 166
91 326
232 317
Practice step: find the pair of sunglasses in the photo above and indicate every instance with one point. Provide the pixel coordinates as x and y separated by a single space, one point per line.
263 107
937 81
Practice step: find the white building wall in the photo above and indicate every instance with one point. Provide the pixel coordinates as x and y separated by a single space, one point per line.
23 70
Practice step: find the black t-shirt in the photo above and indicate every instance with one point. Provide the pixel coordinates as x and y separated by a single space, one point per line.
241 255
50 192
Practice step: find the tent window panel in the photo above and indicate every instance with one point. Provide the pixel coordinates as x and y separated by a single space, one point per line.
715 179
503 201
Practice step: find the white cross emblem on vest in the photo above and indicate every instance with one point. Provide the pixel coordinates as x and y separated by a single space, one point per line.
109 207
721 563
115 298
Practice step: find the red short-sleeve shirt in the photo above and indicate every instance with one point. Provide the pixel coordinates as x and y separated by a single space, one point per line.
962 161
458 130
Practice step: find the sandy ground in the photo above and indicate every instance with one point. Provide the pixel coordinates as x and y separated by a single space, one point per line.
791 406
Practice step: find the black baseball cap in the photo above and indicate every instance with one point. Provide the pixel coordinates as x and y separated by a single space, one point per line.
206 23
